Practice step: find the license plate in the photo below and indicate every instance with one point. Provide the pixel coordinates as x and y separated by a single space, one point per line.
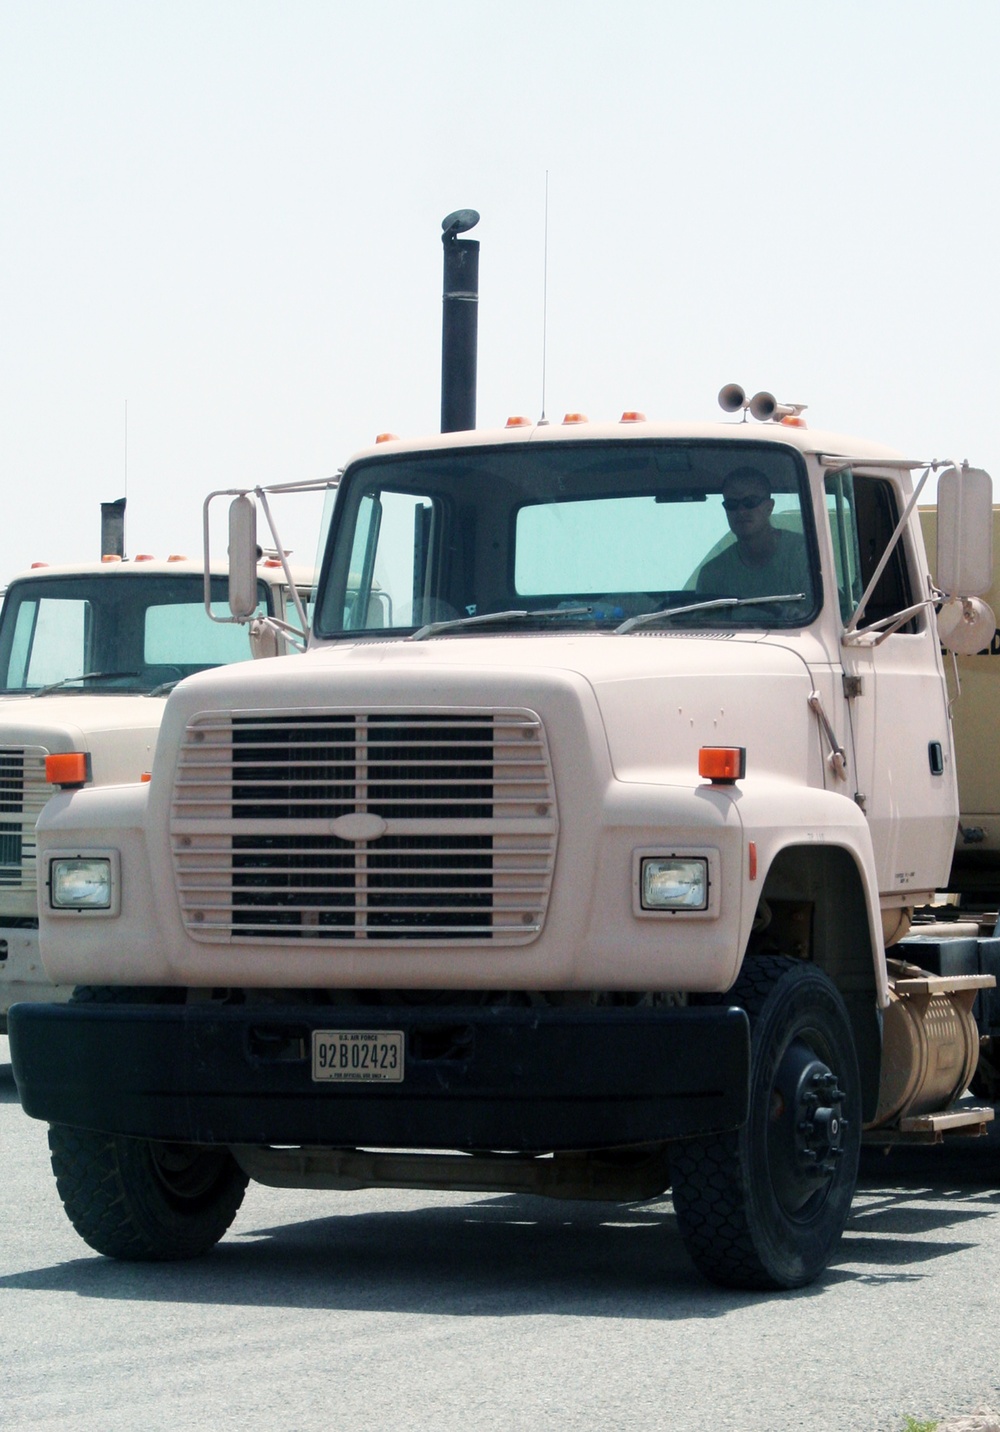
358 1056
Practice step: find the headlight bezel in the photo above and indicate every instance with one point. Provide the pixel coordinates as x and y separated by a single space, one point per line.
58 869
678 856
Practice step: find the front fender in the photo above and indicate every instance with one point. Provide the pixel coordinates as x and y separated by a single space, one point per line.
779 817
86 947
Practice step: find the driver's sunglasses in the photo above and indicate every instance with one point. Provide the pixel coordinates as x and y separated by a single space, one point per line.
742 504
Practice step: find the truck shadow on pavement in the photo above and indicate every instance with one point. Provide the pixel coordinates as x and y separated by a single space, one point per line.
910 1191
508 1256
515 1255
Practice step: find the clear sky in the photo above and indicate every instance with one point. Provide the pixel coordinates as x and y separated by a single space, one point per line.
225 214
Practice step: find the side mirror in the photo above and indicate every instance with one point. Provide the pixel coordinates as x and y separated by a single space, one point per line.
263 640
242 557
964 532
965 626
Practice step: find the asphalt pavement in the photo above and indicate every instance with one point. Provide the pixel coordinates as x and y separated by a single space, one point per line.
394 1310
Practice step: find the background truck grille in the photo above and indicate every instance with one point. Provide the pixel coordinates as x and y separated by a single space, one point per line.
23 792
468 827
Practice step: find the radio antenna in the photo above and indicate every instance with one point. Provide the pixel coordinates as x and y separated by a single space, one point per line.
545 293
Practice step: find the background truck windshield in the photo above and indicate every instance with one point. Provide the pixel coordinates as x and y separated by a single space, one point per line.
123 632
620 529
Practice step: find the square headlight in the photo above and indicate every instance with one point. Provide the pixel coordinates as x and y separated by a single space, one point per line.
674 883
83 882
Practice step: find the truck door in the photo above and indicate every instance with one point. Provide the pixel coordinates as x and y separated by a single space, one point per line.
903 768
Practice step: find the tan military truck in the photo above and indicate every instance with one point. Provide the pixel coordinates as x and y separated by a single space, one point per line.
575 856
88 655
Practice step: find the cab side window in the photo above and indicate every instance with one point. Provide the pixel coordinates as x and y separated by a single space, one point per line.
863 514
397 564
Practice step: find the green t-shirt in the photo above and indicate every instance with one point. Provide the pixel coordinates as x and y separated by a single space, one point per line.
787 570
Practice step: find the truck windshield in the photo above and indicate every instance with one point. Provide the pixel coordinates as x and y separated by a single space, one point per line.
130 632
550 534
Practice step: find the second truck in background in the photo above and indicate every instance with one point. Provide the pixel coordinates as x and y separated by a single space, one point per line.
88 656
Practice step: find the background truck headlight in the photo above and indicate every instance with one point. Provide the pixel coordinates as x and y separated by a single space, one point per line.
84 884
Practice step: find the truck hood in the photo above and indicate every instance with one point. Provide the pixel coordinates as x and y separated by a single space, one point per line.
659 696
119 731
28 719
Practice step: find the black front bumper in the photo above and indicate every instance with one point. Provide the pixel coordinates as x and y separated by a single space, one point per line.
475 1078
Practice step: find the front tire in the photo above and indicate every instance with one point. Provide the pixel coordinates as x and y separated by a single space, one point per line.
140 1200
765 1207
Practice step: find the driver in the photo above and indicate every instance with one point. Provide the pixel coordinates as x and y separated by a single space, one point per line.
764 561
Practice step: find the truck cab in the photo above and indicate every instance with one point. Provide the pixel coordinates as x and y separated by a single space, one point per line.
88 656
569 858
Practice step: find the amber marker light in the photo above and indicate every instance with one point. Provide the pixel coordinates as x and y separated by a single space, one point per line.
722 765
387 437
111 557
69 769
177 557
143 557
575 418
518 422
632 415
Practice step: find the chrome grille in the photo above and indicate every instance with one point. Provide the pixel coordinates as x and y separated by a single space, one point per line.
463 805
23 792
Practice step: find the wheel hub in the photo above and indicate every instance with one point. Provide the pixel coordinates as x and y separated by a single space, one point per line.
806 1127
186 1172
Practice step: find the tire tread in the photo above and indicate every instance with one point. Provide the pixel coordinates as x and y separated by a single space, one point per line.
118 1214
709 1177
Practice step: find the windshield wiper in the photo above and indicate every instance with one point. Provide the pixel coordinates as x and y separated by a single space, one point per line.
648 618
84 676
432 628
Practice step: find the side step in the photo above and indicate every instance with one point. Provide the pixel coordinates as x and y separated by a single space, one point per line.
964 987
968 1123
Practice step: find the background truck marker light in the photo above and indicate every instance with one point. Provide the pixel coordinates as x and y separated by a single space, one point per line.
68 768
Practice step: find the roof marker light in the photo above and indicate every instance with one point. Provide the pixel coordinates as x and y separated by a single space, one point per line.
177 557
576 418
722 765
111 557
36 565
518 421
632 415
143 557
387 438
